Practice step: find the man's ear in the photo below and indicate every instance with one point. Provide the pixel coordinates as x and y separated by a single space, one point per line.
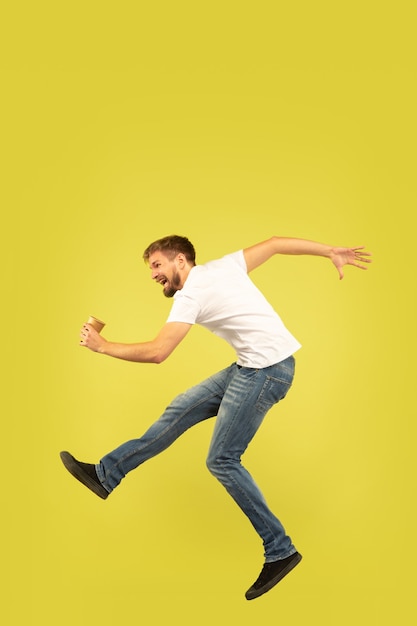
182 261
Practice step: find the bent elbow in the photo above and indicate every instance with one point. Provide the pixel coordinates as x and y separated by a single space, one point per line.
160 356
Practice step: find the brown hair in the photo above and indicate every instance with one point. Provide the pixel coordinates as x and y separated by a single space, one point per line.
171 246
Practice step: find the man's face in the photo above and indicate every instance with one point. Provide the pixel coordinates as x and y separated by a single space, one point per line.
165 272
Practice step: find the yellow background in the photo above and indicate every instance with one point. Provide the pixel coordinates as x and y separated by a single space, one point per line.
227 122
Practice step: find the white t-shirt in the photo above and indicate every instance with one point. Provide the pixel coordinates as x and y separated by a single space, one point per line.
221 297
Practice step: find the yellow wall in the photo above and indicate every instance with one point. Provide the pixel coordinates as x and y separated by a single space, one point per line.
226 122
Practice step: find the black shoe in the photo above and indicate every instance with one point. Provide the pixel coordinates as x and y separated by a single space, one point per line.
271 574
85 473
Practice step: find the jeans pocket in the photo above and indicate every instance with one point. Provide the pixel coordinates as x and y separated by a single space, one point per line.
273 390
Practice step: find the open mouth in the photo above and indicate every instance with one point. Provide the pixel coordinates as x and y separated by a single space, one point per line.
169 287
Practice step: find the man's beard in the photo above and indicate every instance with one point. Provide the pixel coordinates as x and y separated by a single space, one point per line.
173 286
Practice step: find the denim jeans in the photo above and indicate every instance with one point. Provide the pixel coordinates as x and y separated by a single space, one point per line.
240 397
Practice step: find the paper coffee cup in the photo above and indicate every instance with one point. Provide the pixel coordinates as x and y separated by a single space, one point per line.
96 323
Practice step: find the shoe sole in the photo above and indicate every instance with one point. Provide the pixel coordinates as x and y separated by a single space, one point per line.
72 466
255 593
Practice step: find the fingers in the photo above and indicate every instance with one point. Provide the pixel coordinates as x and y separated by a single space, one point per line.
84 334
361 255
358 260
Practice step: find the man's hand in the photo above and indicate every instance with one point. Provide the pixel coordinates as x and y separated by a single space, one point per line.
90 338
154 351
349 256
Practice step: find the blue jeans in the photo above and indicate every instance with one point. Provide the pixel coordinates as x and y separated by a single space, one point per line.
240 397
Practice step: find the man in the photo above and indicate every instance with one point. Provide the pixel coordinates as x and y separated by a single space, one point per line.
221 297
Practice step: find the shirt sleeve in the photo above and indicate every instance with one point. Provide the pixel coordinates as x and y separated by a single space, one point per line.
184 309
238 258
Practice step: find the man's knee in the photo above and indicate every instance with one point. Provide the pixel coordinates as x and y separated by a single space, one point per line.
220 464
214 464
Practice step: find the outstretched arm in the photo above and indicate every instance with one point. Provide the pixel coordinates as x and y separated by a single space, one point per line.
261 252
154 351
